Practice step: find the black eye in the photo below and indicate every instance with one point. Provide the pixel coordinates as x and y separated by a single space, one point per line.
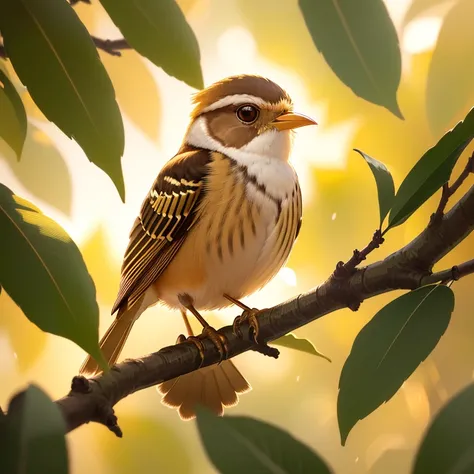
247 113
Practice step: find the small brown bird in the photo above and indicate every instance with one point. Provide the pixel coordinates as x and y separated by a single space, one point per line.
218 223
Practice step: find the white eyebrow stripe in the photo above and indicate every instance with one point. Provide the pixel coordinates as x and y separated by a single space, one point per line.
236 100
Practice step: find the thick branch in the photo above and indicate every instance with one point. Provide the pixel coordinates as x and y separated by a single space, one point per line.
408 268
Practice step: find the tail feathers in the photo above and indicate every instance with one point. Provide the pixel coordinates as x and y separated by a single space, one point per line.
214 387
111 343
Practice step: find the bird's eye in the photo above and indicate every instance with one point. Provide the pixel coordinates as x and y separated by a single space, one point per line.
247 114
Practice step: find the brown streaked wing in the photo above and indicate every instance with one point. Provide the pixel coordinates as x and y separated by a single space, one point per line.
167 213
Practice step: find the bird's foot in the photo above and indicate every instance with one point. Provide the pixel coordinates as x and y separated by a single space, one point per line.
194 340
218 340
250 316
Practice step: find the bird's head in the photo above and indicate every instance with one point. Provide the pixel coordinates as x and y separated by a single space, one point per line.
246 114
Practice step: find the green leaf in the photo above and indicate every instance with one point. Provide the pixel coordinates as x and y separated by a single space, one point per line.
431 172
159 31
12 115
388 350
44 273
35 436
451 69
360 44
384 182
299 344
54 57
237 444
448 445
417 7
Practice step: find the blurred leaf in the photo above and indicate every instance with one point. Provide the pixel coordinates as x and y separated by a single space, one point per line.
12 115
393 461
44 273
448 445
54 57
104 269
419 6
27 340
140 103
360 44
384 181
148 446
389 349
237 444
299 344
35 441
449 91
159 31
431 171
42 169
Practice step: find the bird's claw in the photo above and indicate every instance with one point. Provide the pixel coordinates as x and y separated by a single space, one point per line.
194 340
218 340
250 316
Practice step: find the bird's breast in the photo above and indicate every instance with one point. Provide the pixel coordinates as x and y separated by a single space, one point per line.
243 235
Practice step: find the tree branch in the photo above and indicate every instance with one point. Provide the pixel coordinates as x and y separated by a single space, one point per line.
448 191
408 268
112 47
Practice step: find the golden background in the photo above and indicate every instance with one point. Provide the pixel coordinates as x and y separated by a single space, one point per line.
298 392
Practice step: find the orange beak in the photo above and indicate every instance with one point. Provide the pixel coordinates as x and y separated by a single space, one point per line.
292 120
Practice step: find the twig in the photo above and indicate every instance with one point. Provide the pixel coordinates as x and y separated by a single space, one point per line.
407 268
344 270
452 274
448 191
112 47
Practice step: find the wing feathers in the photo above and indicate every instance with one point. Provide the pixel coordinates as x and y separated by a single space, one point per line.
166 215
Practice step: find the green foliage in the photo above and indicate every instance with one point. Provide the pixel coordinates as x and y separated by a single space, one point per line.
299 344
388 350
159 31
44 273
431 171
237 444
449 90
360 44
33 439
448 445
65 77
384 182
12 115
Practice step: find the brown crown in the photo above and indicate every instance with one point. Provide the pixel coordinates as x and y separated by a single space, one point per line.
243 84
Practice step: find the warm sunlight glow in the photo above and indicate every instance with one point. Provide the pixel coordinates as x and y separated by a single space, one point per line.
421 35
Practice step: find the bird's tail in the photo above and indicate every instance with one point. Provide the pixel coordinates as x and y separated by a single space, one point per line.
112 341
214 387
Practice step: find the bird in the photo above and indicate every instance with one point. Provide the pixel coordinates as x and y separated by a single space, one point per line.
217 225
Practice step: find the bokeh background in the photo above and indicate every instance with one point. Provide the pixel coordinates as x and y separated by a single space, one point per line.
297 392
